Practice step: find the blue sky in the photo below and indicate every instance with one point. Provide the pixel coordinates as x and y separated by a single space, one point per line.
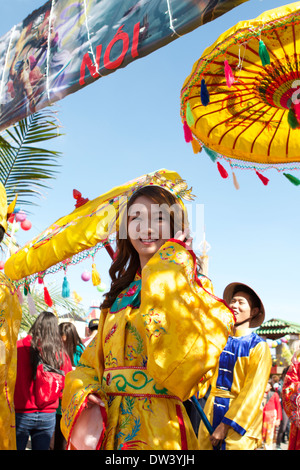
128 124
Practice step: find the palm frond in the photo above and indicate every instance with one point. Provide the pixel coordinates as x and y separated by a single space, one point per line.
25 167
60 305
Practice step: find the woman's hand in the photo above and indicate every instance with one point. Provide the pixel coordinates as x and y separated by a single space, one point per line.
185 237
93 399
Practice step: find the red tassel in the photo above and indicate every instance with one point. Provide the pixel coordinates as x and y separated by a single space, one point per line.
222 170
47 298
262 178
228 74
187 132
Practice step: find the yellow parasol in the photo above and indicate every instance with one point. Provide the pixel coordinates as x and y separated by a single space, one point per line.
78 235
242 100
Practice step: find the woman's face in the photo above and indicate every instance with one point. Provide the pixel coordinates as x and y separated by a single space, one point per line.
148 227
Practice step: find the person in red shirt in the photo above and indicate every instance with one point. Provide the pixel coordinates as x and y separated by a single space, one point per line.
31 420
272 415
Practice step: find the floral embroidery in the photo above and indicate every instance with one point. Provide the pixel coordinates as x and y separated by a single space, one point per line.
153 324
110 360
110 334
133 351
128 298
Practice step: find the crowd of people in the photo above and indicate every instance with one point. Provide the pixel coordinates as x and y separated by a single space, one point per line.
163 337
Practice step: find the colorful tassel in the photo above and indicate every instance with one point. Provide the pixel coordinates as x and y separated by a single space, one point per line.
95 276
263 53
47 298
262 178
204 95
189 116
40 280
31 305
65 288
187 132
26 289
222 170
20 296
228 74
235 181
292 179
292 119
196 146
211 153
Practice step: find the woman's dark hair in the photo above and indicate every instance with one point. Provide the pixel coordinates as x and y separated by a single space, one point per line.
46 341
2 232
68 330
127 262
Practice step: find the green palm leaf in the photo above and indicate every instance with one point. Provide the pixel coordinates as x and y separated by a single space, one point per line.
61 305
25 167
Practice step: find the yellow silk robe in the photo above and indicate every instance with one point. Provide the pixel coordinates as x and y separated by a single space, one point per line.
237 391
162 335
10 320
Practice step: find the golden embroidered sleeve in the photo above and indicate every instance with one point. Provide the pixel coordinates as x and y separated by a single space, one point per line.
187 327
84 380
10 320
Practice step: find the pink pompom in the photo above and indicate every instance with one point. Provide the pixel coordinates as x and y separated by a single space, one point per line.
86 276
26 225
2 265
20 216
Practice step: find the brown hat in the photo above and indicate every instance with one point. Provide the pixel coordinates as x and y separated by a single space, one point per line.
234 287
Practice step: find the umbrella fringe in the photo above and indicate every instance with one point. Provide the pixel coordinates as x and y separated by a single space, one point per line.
65 288
204 95
222 170
263 53
187 132
228 74
292 179
262 178
95 276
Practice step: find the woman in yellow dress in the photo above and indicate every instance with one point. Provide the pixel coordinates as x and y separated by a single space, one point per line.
10 320
161 331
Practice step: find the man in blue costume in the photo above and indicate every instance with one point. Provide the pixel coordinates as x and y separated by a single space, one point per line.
237 387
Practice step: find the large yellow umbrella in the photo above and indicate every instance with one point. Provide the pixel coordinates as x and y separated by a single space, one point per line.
242 99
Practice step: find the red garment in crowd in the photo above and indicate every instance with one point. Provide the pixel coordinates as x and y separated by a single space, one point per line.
24 398
291 400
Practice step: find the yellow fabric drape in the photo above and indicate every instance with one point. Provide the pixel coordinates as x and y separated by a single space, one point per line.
10 320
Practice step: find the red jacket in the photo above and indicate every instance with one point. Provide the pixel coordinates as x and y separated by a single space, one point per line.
24 398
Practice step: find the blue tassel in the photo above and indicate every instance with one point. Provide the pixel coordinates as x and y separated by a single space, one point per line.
204 95
65 288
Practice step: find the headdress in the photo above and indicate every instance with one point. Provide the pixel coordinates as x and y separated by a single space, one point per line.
5 211
89 227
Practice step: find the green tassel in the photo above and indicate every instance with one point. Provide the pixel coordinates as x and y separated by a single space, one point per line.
189 116
211 153
292 179
65 288
26 289
292 120
263 53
